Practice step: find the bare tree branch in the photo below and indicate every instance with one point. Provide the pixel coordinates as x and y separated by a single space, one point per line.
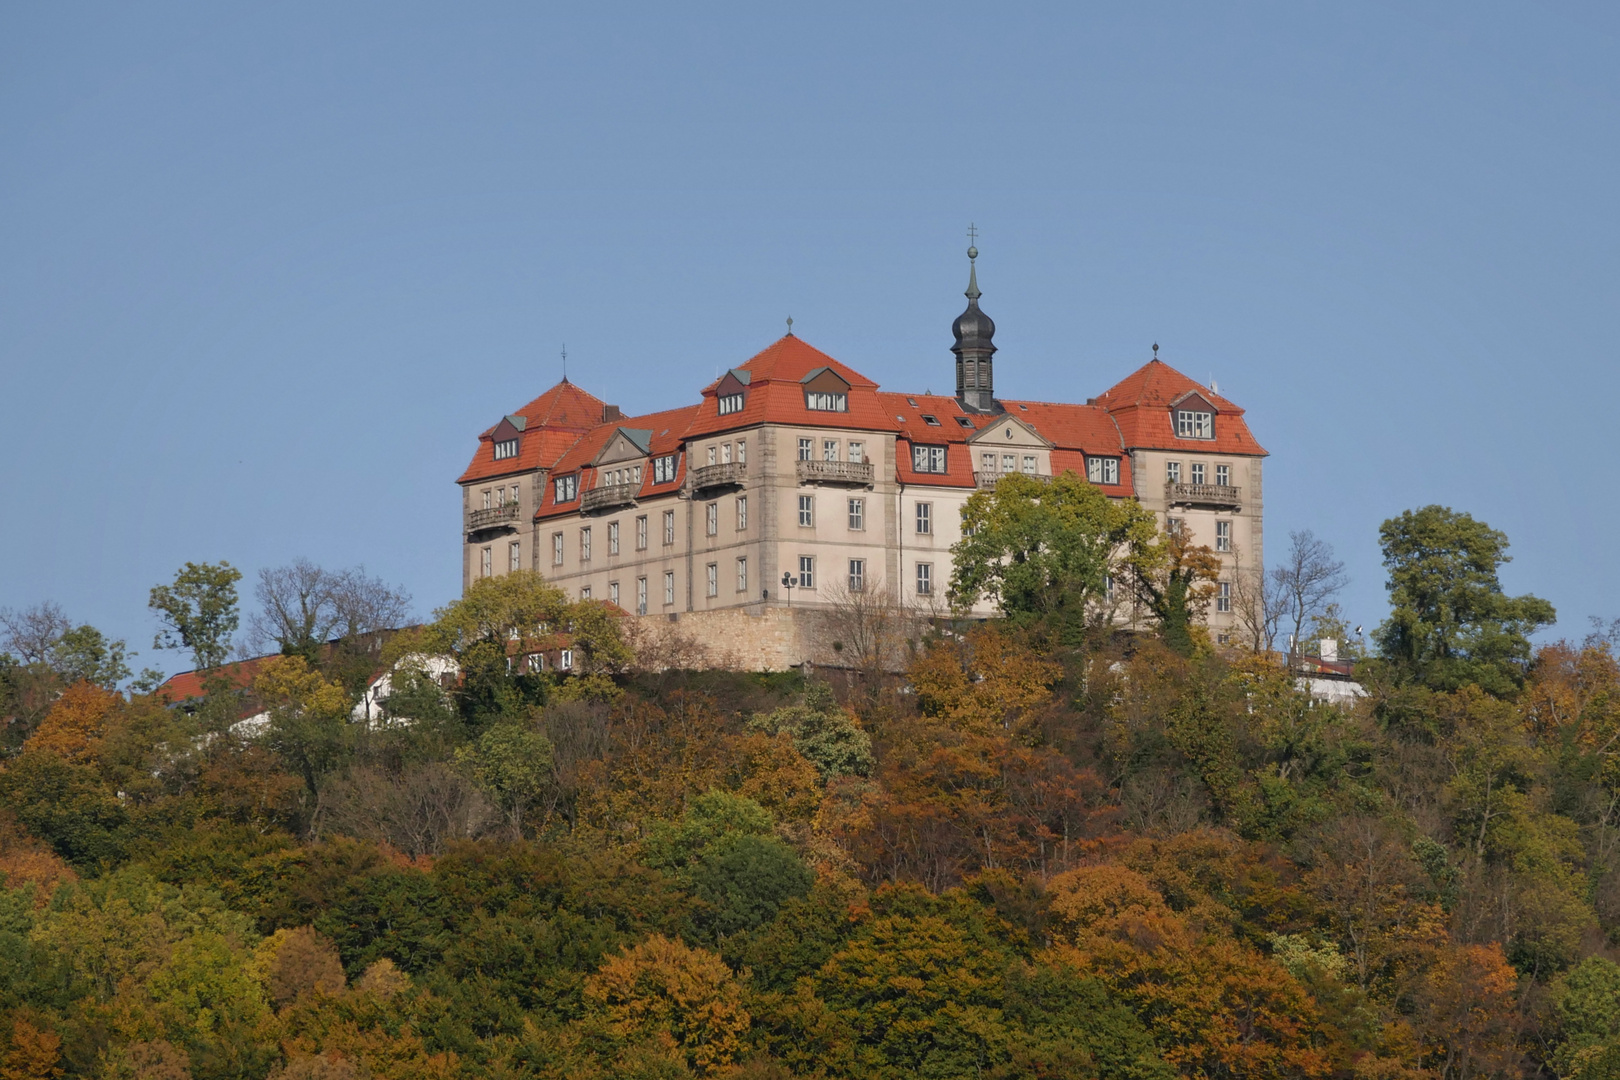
32 634
1308 579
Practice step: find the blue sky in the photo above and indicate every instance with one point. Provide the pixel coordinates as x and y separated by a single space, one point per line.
267 270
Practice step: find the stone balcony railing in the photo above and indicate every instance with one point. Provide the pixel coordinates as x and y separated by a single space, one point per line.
834 472
988 478
493 517
1203 495
608 496
721 475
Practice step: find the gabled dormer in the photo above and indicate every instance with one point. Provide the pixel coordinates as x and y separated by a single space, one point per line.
508 437
622 457
825 391
1009 445
731 392
1193 417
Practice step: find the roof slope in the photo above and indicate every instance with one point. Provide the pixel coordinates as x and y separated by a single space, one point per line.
554 421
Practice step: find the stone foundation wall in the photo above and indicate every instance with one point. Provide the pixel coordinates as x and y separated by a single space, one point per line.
757 639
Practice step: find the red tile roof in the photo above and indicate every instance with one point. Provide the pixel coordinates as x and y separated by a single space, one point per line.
553 422
565 431
1141 404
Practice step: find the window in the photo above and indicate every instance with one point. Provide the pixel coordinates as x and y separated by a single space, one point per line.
931 421
823 401
1009 463
565 660
857 575
1223 536
613 592
805 447
742 573
641 596
514 493
925 517
712 457
807 572
556 549
987 461
725 453
928 459
1102 470
487 500
857 452
742 451
537 662
1223 596
730 403
712 571
1192 424
514 556
669 586
857 514
1173 526
742 513
613 538
567 488
488 562
1029 464
711 519
1198 472
1172 471
807 510
1223 475
829 449
506 448
641 533
584 592
925 579
585 544
669 526
965 422
664 469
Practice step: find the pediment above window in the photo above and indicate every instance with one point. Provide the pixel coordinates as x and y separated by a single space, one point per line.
1009 431
626 444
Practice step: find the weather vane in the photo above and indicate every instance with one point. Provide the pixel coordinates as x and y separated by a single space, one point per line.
973 241
565 362
790 326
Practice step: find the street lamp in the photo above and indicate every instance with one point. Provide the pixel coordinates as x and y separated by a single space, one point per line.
787 586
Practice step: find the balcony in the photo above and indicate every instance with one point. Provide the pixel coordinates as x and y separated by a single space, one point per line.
608 497
493 517
988 479
1177 494
834 472
726 474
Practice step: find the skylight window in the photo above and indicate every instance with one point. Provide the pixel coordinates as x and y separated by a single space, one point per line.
912 402
965 422
931 421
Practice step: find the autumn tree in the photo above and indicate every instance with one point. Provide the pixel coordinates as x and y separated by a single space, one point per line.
1175 580
309 718
661 990
1452 624
198 611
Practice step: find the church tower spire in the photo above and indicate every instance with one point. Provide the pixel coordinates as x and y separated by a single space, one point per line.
975 376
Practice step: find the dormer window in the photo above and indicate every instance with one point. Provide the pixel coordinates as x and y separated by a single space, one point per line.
929 459
664 469
1195 424
826 401
506 448
1102 470
567 488
730 403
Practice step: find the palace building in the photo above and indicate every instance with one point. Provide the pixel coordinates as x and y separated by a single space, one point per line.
795 479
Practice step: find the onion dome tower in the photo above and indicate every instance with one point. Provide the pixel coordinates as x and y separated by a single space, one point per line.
975 376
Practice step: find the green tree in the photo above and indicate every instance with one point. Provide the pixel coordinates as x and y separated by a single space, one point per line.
198 612
827 735
86 654
1452 624
1044 549
309 718
1175 580
513 763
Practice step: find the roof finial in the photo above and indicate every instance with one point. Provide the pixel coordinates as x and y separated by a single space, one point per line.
1155 350
973 292
565 362
790 326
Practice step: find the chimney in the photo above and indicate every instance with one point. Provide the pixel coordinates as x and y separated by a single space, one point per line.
611 414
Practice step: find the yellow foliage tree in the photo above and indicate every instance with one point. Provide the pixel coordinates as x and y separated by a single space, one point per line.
74 727
665 991
32 1053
